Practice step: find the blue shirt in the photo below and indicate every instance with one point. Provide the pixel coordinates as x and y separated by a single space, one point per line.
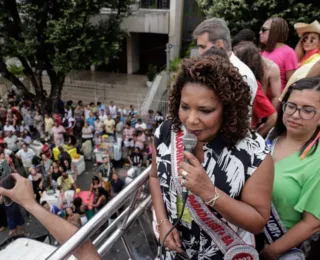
91 120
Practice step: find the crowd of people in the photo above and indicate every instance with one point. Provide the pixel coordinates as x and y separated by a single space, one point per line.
22 127
255 111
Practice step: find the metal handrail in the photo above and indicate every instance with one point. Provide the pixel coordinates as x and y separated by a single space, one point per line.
83 234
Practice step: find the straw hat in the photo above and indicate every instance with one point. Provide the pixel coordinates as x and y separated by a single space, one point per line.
302 28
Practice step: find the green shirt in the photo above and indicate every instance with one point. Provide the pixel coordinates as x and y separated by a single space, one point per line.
296 187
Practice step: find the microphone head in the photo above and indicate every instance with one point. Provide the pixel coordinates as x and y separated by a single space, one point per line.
189 142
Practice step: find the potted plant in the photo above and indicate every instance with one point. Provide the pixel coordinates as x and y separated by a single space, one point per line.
152 72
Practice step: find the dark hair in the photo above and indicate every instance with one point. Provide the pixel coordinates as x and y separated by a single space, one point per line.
249 54
77 202
95 178
279 129
150 111
99 103
215 51
102 191
245 35
220 76
44 203
279 32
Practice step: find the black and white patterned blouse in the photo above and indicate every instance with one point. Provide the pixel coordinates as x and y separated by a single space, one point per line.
228 169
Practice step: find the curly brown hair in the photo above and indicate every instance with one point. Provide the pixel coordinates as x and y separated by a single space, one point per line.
219 75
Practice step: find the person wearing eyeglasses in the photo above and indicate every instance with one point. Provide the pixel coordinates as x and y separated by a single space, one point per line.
273 36
294 144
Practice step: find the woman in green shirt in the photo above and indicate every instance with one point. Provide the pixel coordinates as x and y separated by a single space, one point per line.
295 149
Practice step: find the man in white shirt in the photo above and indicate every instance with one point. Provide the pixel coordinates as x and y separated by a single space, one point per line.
113 110
103 116
140 125
8 128
26 154
215 31
11 141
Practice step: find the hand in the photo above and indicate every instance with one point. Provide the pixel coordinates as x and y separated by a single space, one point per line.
198 181
21 193
173 239
268 254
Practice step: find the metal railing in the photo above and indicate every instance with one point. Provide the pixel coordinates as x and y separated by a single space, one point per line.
137 199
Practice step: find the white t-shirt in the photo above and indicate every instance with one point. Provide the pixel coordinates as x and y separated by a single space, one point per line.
26 157
87 113
11 142
142 126
103 117
113 111
247 74
8 128
70 121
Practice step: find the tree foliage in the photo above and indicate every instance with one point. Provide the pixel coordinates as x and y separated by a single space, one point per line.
251 14
57 37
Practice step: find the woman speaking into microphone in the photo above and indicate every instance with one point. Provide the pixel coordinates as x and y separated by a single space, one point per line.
229 176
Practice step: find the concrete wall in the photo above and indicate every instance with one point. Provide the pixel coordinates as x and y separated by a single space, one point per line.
133 53
147 21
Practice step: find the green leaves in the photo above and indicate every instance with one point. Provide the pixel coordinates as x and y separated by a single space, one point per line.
251 14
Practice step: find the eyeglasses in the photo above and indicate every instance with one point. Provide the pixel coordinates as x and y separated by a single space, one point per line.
264 29
304 112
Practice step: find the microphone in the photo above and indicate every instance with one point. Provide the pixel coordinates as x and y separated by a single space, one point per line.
189 143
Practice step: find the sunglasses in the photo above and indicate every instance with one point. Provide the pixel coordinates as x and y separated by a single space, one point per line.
263 29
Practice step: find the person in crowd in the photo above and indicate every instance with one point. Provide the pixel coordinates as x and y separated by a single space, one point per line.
22 194
105 171
80 208
139 139
37 181
26 137
8 128
158 118
38 123
86 133
15 219
273 36
48 124
295 150
100 107
119 128
66 182
11 118
123 113
58 130
109 125
7 151
91 119
63 156
140 125
96 183
103 115
271 82
78 116
73 218
3 216
262 110
215 32
70 123
70 169
11 140
54 174
117 184
93 107
26 154
113 110
24 110
98 126
46 164
128 140
202 103
307 51
87 111
308 47
150 122
101 198
28 120
136 158
132 111
51 208
97 138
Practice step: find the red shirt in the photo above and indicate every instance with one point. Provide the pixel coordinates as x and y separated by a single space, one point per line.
261 107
